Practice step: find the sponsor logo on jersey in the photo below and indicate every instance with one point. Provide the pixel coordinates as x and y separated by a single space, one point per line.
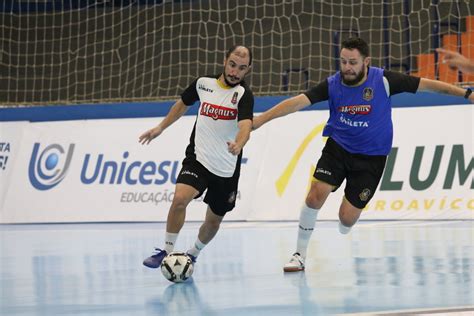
368 94
218 112
234 98
352 123
355 109
203 87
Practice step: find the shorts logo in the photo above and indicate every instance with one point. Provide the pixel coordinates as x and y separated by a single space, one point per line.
364 195
218 112
368 94
49 167
187 172
232 197
321 170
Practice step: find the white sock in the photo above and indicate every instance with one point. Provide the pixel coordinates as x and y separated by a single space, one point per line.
344 229
307 221
170 240
198 246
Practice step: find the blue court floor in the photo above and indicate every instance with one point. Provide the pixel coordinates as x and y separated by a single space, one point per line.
380 267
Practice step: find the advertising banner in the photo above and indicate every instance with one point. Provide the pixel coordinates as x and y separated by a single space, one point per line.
429 173
96 170
10 143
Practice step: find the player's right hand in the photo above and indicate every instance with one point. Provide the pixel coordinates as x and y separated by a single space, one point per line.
149 135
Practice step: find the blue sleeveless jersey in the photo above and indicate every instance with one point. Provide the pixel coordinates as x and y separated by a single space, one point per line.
361 116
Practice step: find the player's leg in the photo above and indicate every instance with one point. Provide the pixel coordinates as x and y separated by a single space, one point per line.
315 199
211 225
183 195
348 216
220 197
207 231
362 181
191 183
328 175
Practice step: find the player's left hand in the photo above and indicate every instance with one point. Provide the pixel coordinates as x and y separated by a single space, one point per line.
256 122
233 148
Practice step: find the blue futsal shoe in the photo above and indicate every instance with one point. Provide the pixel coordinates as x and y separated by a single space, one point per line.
154 261
193 258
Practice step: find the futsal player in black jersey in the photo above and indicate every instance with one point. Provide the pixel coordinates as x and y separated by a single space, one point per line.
213 156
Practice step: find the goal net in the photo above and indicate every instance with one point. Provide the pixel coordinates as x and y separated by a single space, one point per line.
84 51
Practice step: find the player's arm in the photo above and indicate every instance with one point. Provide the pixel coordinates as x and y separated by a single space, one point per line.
177 110
399 83
442 87
243 135
281 109
314 95
244 124
188 97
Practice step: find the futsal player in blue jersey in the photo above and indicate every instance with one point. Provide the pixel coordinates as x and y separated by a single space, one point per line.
359 131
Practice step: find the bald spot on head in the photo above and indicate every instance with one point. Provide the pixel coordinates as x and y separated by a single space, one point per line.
241 52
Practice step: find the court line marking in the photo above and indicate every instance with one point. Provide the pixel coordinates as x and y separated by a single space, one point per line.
460 310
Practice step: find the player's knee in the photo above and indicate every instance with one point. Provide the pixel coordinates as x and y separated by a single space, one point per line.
346 221
313 200
180 202
318 194
213 224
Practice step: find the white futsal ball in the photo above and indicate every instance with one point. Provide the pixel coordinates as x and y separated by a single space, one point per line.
177 267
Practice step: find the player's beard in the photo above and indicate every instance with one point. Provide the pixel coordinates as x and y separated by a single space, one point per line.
353 82
230 84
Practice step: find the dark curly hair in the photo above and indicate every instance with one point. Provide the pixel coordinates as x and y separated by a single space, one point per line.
356 43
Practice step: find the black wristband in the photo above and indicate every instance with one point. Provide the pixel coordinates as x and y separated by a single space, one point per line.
468 93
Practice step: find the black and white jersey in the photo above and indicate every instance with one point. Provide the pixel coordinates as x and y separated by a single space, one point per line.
220 109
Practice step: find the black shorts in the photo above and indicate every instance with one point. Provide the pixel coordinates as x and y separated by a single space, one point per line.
362 172
221 192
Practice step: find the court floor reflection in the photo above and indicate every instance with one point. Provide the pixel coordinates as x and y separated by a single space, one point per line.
95 269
